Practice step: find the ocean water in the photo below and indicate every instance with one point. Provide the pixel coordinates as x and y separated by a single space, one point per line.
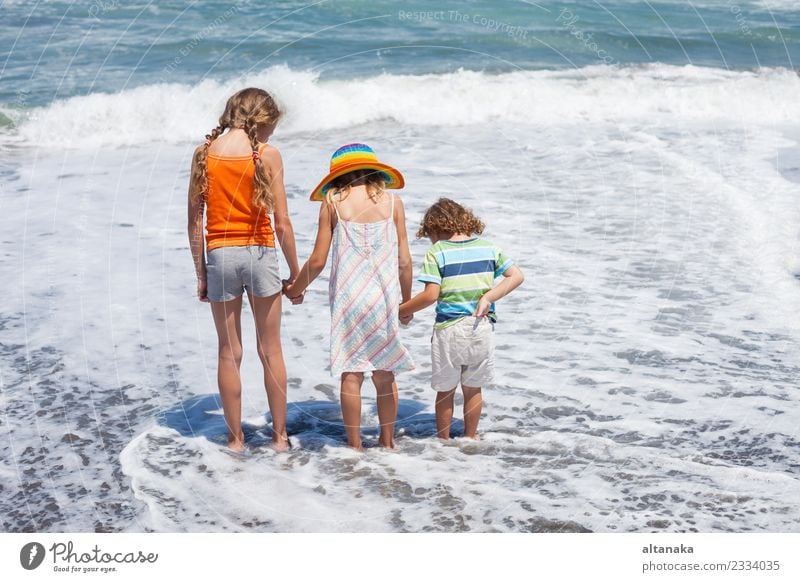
647 369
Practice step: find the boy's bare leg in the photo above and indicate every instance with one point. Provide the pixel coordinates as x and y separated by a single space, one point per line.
444 413
473 402
386 389
351 407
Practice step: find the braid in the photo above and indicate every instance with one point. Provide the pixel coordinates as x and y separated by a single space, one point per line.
261 182
247 109
200 175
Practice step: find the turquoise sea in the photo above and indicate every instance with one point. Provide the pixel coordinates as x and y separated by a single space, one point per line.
58 49
638 160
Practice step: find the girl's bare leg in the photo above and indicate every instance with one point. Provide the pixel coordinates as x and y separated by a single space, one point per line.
227 320
473 402
351 407
267 315
444 413
386 389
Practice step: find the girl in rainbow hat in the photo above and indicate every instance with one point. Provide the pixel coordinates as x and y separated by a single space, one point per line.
370 274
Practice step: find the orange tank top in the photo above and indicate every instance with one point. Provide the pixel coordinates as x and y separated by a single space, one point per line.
232 217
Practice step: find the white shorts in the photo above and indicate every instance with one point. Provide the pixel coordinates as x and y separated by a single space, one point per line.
463 352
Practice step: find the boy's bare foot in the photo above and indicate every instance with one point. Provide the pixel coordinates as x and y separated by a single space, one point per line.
356 447
474 437
386 445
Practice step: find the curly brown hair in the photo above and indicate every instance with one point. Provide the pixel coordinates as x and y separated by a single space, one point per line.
447 218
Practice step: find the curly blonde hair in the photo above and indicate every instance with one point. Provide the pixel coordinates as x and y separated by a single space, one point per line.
247 109
447 218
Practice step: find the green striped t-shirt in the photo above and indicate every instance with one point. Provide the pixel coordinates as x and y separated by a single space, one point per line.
465 270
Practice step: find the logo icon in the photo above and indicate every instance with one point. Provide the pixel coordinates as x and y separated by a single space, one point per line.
31 556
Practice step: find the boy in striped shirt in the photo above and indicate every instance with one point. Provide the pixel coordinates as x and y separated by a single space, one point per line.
459 272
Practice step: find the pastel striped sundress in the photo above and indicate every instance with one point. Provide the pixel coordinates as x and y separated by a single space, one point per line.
364 293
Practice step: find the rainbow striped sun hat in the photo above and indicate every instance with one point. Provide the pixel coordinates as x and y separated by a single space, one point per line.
356 156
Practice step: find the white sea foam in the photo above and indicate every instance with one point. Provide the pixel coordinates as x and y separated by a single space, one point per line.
776 5
646 370
178 113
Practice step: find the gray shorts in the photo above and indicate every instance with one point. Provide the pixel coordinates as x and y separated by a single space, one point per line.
463 352
231 270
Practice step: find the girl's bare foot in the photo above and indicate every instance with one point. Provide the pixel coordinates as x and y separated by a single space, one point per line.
356 447
236 445
281 443
385 444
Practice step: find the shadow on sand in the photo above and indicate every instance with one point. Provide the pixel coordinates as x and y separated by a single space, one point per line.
311 424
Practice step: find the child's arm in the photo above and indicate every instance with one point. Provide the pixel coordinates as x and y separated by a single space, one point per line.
403 252
421 300
283 224
512 278
319 256
196 237
431 275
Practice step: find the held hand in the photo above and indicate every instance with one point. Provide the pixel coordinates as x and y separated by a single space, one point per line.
202 289
295 298
483 307
406 319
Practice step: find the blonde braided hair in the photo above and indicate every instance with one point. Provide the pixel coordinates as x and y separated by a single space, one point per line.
247 109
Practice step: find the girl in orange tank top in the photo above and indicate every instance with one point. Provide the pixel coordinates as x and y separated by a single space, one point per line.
236 183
